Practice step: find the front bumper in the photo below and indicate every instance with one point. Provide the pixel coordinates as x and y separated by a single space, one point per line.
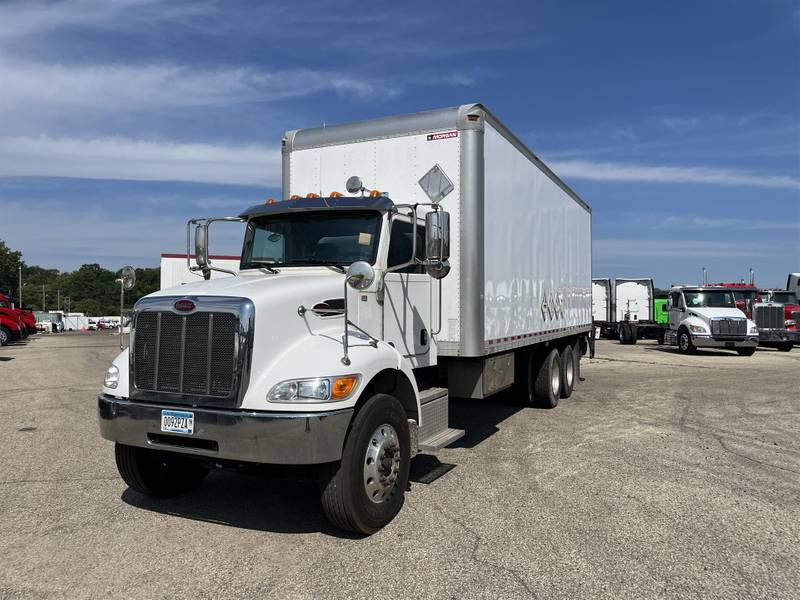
779 335
706 341
251 436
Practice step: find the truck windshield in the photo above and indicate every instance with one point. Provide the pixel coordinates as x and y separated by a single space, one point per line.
311 238
779 297
745 295
711 299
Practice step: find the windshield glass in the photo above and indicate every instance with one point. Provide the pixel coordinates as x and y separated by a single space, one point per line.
712 299
311 238
744 295
784 297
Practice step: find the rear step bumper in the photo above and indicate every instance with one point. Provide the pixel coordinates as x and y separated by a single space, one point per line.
250 436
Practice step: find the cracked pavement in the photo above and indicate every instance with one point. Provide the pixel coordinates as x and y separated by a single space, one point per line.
663 476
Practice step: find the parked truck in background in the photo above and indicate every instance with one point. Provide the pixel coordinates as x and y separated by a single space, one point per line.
774 327
355 317
11 326
626 309
787 332
707 317
25 316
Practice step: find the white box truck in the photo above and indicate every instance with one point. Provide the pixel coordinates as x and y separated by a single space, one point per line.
630 309
411 259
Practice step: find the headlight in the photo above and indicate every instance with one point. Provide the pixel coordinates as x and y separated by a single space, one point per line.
697 329
112 378
790 323
321 389
753 330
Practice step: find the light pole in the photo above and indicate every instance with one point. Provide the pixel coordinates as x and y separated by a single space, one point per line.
43 304
20 285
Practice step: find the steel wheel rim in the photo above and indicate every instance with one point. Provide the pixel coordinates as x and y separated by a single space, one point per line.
381 463
3 337
555 382
684 341
569 372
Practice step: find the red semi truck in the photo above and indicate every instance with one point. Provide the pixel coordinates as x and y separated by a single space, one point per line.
777 327
26 316
11 328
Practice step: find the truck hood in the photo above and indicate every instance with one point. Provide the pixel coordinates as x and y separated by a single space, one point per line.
715 313
305 285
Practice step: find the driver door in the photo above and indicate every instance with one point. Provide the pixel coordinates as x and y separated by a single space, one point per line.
407 304
675 310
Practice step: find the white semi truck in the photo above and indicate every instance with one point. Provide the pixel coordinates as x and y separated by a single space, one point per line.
455 264
706 316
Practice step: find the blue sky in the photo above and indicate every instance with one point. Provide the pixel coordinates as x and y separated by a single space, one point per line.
678 122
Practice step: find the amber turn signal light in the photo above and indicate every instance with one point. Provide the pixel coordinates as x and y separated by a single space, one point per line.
343 386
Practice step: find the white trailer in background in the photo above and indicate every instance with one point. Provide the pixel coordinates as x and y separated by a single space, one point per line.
631 311
459 265
174 271
601 300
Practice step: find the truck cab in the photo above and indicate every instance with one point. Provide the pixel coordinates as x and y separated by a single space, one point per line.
708 317
777 318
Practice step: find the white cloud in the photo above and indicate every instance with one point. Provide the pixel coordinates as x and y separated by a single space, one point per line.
121 87
616 248
727 223
124 158
609 171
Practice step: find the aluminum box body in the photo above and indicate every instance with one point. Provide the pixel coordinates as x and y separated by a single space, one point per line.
520 238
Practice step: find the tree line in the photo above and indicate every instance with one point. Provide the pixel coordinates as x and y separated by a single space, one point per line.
91 289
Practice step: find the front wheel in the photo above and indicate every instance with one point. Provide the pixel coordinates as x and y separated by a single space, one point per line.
156 473
685 344
5 335
365 490
746 351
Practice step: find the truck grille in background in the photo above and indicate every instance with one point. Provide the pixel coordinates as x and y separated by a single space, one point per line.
729 327
768 316
185 354
796 316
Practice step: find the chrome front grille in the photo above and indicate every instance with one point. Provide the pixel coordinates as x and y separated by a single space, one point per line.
729 327
768 316
201 357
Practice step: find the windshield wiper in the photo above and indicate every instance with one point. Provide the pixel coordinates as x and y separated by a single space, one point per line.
312 262
261 265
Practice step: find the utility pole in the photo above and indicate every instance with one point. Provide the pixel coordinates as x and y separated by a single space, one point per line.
20 285
58 302
43 305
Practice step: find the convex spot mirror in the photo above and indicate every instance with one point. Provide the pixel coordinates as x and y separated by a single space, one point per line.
360 275
437 236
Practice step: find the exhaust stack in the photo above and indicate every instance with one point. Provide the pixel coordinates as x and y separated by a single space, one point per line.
705 276
752 277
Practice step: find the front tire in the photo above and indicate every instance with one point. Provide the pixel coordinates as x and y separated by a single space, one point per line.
157 474
5 335
365 490
685 344
745 351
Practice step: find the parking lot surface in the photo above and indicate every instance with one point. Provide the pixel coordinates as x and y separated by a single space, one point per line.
663 476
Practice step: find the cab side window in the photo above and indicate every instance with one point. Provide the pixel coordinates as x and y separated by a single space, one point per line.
676 300
401 245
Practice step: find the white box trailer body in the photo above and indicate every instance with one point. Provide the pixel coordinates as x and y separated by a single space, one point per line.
793 283
174 271
633 299
520 238
601 299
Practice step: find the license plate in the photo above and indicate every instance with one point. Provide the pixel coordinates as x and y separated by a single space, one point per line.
177 421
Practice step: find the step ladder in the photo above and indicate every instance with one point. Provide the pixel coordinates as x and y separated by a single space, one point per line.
436 432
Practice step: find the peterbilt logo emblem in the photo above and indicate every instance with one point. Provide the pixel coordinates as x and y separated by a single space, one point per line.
184 305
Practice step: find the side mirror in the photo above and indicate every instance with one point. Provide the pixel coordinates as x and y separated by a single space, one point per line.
437 236
438 270
360 275
201 245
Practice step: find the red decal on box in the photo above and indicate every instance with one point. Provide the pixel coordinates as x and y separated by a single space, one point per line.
432 137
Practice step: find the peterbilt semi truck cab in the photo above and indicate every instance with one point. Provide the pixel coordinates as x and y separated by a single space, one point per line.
350 323
707 317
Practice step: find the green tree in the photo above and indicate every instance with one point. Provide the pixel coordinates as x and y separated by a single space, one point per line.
9 265
87 306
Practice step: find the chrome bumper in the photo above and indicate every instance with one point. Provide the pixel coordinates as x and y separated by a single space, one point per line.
708 342
251 436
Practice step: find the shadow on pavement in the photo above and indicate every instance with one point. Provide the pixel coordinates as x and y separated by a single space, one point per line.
277 502
479 418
